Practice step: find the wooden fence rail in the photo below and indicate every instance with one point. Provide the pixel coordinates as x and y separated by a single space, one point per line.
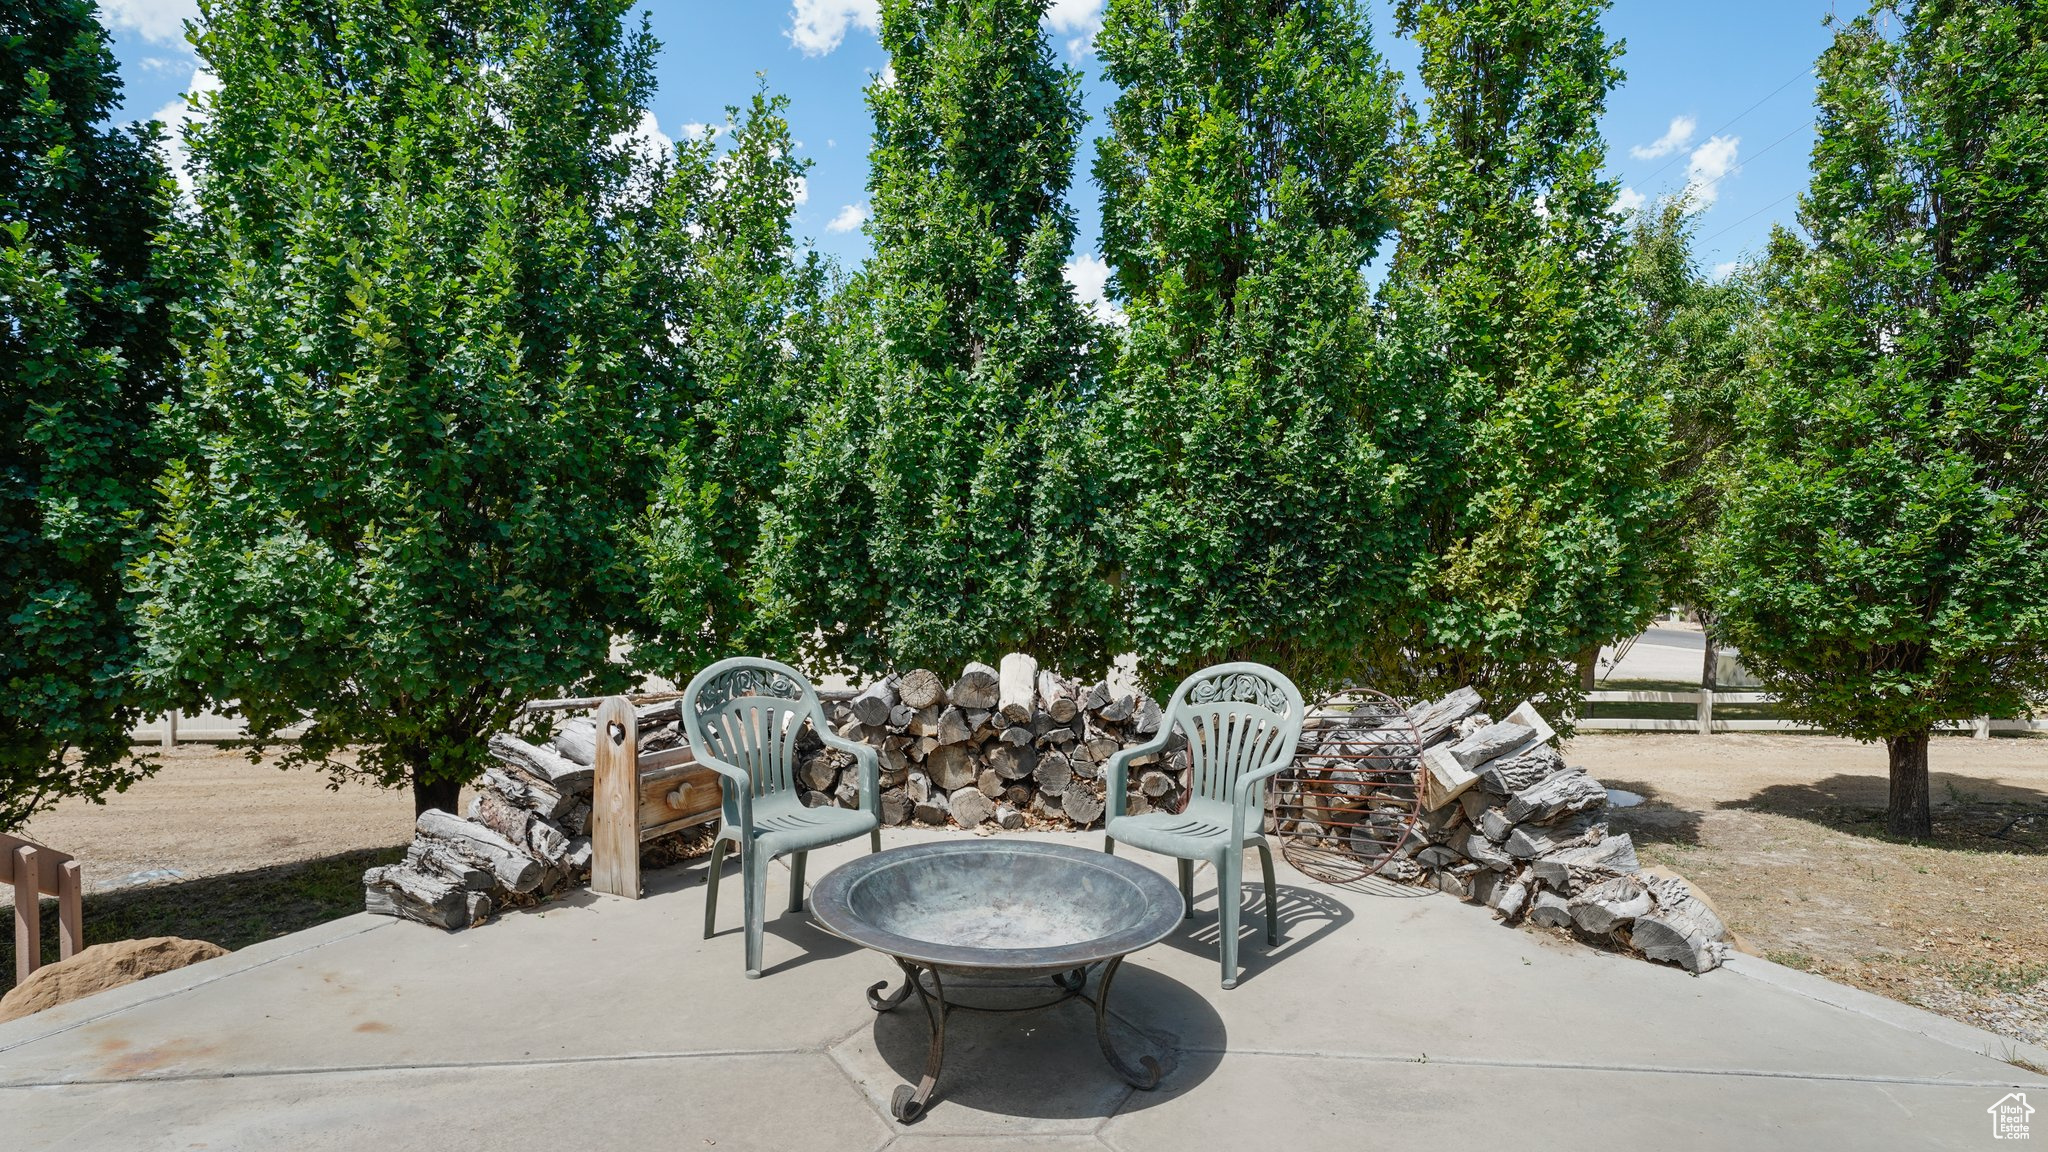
35 872
1705 722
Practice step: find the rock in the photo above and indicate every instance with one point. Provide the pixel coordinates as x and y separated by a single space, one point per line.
101 967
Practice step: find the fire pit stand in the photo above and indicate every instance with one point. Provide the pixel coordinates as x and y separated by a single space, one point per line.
968 911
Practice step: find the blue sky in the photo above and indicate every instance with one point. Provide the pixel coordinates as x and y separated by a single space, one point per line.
1718 95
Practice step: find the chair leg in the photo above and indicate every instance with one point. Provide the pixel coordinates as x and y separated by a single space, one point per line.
1187 888
875 839
754 865
1109 845
718 848
1272 903
796 881
1229 900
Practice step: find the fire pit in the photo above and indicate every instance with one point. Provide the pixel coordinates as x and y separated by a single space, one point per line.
1006 910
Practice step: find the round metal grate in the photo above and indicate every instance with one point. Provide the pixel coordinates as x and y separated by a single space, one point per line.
1354 791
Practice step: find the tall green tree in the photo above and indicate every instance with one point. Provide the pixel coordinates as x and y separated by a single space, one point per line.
1259 491
85 354
1509 324
939 509
1884 565
750 321
424 407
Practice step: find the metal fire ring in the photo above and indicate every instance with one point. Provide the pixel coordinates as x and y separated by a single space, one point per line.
1354 791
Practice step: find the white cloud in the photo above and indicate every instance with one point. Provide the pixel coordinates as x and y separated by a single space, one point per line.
650 144
1089 274
176 117
160 20
1078 19
696 131
1675 137
1628 202
1711 163
850 217
1723 271
800 190
817 26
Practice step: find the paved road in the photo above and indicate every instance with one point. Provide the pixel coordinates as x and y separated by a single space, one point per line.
1395 1020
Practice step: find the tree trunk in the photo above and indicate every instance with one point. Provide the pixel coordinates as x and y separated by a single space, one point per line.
442 794
1907 814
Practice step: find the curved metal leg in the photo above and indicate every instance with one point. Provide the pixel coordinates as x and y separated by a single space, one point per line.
887 1003
908 1103
1145 1080
1071 981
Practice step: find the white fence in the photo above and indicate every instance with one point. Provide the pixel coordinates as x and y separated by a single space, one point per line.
1704 721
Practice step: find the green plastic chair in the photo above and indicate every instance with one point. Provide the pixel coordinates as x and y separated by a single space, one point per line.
743 717
1242 722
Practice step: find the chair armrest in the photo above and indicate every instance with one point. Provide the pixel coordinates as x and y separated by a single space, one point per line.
865 756
1249 785
736 789
1116 774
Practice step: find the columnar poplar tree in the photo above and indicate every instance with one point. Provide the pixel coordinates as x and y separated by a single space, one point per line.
85 353
938 510
423 406
748 316
1510 324
1257 514
1886 542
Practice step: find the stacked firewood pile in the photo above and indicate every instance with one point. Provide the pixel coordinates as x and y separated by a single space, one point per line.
525 838
1002 747
1505 823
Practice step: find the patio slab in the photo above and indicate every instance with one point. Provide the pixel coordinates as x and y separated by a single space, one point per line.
1385 1019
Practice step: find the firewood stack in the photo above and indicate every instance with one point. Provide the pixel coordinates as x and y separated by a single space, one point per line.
525 838
1507 824
1001 747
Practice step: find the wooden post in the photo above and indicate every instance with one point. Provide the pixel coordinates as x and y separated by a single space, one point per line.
28 913
171 729
615 802
1980 728
70 909
1709 672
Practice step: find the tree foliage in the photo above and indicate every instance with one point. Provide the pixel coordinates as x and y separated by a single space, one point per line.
1509 323
1257 511
432 372
85 354
1886 541
751 320
938 507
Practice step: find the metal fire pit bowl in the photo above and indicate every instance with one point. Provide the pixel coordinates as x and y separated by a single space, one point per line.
1008 910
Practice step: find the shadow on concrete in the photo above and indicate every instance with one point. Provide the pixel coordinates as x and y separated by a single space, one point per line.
813 942
1047 1065
1969 814
1306 916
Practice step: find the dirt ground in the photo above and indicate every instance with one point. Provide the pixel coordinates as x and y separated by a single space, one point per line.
1786 834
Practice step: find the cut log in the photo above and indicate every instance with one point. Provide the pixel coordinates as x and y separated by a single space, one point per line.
564 774
1094 697
411 895
991 785
921 688
501 816
1056 697
1434 719
953 727
1610 904
1155 784
1549 910
1101 748
872 704
437 859
896 808
1517 771
1081 806
1575 869
1009 818
1495 824
1016 734
1514 897
1478 849
970 808
514 867
576 739
817 773
1528 841
934 809
1146 720
1444 779
1053 773
977 687
920 721
529 791
547 842
1120 708
1563 794
950 767
1018 687
1012 761
1490 742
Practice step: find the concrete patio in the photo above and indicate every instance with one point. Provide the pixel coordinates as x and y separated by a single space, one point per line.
1387 1019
